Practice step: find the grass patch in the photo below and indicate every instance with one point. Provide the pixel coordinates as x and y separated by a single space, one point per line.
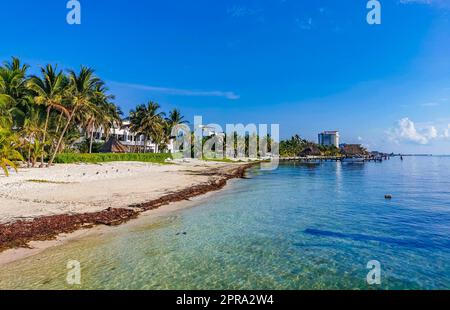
47 182
72 158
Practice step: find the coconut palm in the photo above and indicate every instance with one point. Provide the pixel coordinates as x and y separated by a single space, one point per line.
49 92
81 90
32 131
147 120
136 117
5 112
106 114
175 118
8 150
13 79
13 90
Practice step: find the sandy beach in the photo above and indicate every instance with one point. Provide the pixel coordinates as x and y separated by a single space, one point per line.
87 195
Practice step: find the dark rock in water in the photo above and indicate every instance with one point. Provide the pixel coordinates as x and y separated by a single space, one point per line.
177 234
388 196
184 233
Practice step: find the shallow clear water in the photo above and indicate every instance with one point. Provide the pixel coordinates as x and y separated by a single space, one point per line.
299 227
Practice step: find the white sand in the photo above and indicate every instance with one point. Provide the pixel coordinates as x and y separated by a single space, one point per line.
90 188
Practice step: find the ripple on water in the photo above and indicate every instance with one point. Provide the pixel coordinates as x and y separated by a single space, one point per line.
299 227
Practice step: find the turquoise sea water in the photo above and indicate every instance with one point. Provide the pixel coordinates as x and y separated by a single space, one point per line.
302 226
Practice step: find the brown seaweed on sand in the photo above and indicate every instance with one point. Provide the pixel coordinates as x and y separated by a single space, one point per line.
20 233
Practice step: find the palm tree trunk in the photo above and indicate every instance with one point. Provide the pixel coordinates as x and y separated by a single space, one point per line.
59 122
92 138
29 155
145 143
52 146
44 134
61 138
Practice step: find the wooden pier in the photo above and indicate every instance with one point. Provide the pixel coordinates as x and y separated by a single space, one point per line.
336 158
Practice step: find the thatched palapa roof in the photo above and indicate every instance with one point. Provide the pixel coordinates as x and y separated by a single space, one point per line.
113 146
354 150
310 151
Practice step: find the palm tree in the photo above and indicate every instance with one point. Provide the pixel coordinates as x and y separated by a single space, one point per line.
5 112
135 123
32 131
175 118
81 91
48 91
105 115
8 150
148 121
13 89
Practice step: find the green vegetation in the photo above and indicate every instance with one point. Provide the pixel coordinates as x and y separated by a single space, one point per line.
47 116
53 117
8 152
296 145
70 158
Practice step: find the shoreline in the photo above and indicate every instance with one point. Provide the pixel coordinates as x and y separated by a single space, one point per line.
36 247
18 236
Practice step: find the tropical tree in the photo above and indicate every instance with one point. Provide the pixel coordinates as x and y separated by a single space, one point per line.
8 150
149 121
41 114
105 115
135 124
32 132
5 112
175 118
48 91
13 90
81 91
293 146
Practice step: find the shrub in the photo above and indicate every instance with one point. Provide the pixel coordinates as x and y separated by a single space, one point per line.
70 158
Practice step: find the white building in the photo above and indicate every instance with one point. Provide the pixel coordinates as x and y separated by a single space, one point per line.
329 138
126 137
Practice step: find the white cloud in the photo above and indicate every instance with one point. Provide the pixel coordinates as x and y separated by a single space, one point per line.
406 131
182 92
446 134
430 104
431 133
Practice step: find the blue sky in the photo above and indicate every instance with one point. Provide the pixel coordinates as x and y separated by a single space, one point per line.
307 65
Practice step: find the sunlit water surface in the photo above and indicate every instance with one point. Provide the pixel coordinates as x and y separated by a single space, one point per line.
298 227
